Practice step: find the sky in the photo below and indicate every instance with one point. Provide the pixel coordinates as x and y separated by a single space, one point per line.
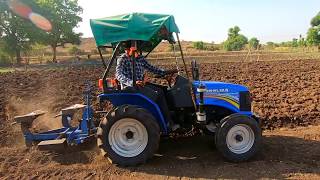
209 20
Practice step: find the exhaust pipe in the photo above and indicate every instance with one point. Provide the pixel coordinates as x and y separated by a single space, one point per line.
201 114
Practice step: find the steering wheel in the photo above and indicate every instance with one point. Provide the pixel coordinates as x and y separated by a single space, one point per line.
168 75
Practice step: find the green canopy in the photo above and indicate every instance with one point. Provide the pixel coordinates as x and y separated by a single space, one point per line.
134 26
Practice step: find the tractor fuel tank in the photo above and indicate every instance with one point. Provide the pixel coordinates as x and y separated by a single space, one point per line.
179 96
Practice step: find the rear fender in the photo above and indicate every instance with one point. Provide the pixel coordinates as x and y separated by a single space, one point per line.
118 99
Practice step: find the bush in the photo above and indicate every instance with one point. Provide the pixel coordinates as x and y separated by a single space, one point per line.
235 41
4 59
270 44
213 47
74 50
254 43
198 45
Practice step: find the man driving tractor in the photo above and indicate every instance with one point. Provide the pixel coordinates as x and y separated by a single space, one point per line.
129 133
150 90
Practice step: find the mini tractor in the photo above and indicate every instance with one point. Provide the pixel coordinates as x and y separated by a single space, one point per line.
130 132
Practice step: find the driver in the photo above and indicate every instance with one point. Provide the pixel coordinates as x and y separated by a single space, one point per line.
152 91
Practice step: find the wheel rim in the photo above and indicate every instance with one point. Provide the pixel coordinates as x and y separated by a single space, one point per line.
128 137
240 139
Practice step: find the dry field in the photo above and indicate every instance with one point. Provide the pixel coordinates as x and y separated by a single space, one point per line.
285 93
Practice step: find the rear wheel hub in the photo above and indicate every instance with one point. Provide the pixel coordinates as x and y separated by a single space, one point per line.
128 137
240 139
129 134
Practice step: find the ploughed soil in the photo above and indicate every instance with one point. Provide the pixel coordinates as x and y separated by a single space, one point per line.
285 95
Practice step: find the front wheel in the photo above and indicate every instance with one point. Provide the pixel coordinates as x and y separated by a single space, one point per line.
128 136
238 138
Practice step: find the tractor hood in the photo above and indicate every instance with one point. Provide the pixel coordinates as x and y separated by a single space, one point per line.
232 96
221 87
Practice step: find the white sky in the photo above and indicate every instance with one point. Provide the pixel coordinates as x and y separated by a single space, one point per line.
209 20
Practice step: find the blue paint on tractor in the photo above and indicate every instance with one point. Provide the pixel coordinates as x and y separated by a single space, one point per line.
221 94
118 99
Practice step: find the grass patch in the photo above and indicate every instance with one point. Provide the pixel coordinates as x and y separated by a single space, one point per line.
5 70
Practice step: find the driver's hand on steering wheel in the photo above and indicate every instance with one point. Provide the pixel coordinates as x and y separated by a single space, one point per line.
167 73
171 71
140 83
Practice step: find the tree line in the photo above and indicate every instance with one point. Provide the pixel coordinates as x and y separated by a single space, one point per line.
19 35
237 41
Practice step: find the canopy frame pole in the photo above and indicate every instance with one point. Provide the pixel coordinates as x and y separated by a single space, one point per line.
176 58
186 69
133 50
147 54
182 56
101 57
113 57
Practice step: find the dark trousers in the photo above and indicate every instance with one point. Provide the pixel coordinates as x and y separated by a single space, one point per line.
156 94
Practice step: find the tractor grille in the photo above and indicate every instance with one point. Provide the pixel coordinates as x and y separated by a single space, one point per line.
245 101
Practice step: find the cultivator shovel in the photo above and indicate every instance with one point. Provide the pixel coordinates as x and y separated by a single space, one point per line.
27 120
59 139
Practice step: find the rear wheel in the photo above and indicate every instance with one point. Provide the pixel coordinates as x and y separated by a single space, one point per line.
129 135
238 138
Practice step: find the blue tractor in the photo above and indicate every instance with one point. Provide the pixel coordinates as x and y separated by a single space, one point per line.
130 132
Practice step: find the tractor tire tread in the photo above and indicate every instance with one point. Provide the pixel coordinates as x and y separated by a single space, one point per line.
221 133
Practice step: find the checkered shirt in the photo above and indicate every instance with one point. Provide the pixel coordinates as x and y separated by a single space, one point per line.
124 69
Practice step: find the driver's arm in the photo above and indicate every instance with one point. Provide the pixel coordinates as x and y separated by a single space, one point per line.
152 68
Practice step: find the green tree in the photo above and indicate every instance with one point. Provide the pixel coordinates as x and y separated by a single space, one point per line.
254 43
233 32
64 17
270 44
302 42
74 50
315 21
4 57
16 32
294 42
198 45
313 35
235 41
37 49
